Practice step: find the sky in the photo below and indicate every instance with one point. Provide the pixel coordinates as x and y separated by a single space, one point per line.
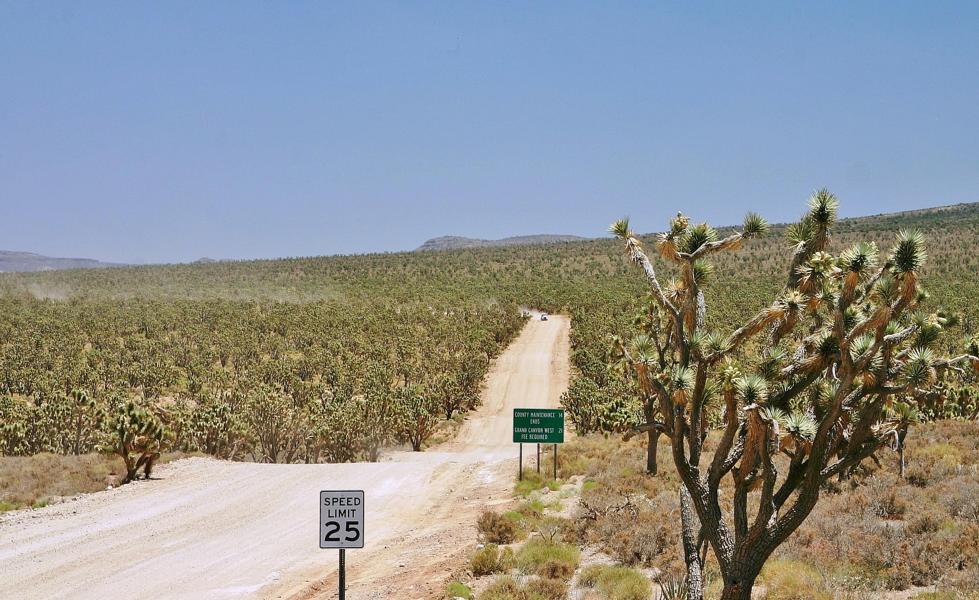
171 131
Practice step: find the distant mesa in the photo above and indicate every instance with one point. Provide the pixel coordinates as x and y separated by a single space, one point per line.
29 262
455 242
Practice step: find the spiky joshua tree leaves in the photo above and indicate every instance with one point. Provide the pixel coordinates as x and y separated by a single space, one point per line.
136 435
821 379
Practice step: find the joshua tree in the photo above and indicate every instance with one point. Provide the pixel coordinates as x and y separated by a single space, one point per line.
806 384
654 348
279 426
136 435
378 410
85 417
418 416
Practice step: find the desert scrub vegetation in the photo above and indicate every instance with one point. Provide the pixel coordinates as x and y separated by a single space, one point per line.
549 559
533 481
490 559
540 567
34 481
508 587
240 380
205 346
498 529
870 534
457 589
616 582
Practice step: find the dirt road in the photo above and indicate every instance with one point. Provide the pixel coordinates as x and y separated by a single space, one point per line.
215 529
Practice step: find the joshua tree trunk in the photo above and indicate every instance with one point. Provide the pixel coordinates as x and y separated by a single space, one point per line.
901 436
652 440
78 435
652 435
740 591
738 585
691 526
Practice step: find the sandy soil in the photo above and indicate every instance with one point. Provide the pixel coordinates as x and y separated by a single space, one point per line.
215 529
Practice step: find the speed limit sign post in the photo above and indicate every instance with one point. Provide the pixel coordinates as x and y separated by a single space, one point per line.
342 524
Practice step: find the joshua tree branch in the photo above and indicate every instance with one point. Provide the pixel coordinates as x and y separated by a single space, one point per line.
637 254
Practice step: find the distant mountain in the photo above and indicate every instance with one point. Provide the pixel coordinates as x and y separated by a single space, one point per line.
454 242
28 261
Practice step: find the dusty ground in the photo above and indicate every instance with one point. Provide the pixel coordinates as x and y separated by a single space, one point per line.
214 529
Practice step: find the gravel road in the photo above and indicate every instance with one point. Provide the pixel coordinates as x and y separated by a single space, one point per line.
216 529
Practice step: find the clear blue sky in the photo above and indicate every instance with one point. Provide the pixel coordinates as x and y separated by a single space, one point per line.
167 131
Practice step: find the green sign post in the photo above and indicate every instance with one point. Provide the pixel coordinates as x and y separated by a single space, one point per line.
538 426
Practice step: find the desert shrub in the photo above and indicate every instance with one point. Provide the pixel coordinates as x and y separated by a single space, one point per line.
490 559
503 588
629 515
533 481
457 589
547 589
794 580
551 529
556 568
508 588
632 528
616 583
883 499
531 509
497 528
927 522
943 595
933 462
962 501
553 560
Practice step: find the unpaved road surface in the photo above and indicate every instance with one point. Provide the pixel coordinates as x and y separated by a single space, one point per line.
216 529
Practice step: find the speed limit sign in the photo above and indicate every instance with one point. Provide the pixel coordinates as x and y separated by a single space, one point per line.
342 525
342 519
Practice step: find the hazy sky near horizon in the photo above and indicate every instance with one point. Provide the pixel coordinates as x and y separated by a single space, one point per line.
168 131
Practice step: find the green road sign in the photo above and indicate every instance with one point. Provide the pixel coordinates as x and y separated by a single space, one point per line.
538 425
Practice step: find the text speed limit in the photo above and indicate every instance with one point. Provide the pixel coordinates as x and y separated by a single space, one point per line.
342 519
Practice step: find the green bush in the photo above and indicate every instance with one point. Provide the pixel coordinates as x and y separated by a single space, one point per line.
489 559
508 588
503 588
496 528
532 481
554 560
458 589
547 589
616 583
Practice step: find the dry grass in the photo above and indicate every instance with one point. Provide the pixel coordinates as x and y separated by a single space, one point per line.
869 535
44 478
